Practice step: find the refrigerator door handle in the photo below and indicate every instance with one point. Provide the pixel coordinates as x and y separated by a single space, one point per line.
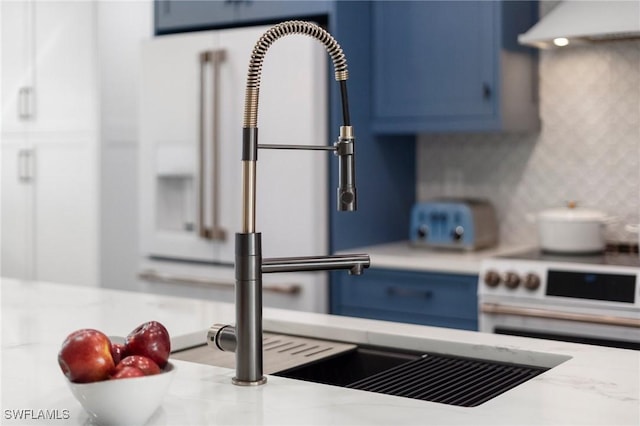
215 232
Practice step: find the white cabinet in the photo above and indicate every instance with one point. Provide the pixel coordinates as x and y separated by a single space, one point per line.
17 207
49 210
16 76
49 141
65 213
48 66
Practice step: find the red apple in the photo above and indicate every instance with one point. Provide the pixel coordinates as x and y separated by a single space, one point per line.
117 352
150 339
147 365
127 372
85 356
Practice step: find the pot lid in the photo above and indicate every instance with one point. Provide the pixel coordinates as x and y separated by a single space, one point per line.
571 213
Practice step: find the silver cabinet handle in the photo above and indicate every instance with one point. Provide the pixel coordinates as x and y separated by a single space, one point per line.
154 276
25 169
409 293
495 309
24 104
216 232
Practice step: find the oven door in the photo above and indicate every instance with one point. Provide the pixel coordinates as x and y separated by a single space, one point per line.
619 330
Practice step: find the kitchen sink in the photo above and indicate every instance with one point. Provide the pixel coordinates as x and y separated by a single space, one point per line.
446 379
346 368
439 378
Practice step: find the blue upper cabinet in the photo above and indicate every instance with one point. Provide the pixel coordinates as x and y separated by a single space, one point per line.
173 16
453 66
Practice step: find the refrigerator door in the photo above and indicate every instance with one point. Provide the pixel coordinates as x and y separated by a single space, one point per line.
292 203
173 99
191 132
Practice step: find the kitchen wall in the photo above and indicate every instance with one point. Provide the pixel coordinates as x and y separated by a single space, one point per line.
587 150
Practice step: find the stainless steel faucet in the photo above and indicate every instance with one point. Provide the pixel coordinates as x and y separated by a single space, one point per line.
245 339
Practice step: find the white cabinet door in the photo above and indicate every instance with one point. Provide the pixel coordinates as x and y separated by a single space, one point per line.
16 228
65 66
66 214
48 66
16 75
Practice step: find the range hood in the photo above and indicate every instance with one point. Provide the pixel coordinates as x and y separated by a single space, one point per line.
585 22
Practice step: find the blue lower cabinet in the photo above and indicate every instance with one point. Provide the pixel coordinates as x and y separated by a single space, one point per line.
442 300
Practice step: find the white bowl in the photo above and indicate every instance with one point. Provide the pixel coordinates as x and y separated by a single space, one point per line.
129 401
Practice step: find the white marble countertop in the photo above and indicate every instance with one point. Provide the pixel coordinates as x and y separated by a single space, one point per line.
405 256
588 385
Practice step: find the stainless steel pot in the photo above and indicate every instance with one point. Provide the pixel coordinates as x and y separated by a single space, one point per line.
572 230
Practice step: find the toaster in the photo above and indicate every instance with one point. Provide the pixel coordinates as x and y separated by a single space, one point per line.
457 223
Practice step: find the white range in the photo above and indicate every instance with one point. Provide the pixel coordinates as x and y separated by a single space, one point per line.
591 299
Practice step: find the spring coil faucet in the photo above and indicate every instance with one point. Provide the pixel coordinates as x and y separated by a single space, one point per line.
245 339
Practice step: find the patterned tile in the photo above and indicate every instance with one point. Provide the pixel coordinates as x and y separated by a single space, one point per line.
587 150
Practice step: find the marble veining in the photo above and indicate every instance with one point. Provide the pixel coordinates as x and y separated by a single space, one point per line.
587 386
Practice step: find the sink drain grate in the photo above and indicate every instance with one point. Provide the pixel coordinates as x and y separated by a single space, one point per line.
449 380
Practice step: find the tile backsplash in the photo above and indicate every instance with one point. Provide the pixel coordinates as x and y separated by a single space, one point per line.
587 150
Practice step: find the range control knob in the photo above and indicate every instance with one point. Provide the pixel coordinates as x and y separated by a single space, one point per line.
491 278
531 281
511 280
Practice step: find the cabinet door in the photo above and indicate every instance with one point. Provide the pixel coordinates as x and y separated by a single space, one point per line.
64 63
433 61
443 300
48 66
267 10
15 76
175 16
181 15
16 228
66 213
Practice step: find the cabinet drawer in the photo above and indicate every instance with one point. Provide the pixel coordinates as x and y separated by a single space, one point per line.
425 294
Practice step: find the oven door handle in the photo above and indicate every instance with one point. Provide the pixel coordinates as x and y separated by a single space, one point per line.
151 275
496 309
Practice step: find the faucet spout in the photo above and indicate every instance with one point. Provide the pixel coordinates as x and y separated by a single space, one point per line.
349 262
245 338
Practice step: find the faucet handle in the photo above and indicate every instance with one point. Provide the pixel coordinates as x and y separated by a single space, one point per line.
345 150
221 337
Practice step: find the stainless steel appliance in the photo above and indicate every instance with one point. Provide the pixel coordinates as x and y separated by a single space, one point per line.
584 299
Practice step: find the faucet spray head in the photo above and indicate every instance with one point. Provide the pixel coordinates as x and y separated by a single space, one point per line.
345 150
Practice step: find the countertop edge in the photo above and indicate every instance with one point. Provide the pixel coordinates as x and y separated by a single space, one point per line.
402 255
